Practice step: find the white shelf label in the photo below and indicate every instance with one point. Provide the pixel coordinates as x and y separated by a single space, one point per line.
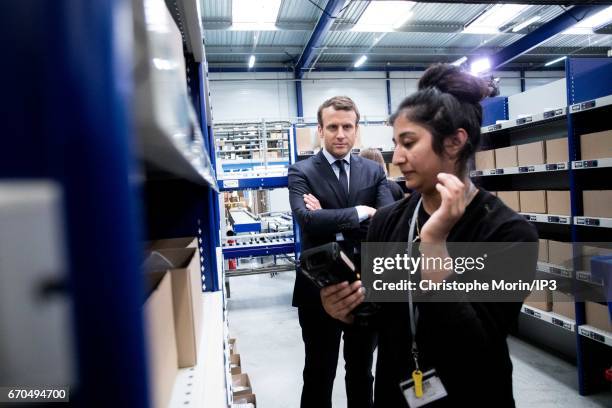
230 183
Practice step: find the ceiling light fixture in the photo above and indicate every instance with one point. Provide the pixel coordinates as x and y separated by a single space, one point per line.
360 61
384 16
255 15
459 62
589 24
555 61
251 61
495 17
525 23
479 66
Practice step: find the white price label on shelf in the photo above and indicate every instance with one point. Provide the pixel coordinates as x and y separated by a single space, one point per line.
230 183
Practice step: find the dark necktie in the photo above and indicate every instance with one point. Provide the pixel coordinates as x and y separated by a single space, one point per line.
343 179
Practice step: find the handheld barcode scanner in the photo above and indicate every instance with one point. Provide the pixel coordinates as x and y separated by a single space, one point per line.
328 265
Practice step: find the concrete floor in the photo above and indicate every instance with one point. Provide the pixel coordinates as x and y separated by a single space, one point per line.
270 344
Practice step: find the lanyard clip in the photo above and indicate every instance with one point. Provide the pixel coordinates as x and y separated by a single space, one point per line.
415 356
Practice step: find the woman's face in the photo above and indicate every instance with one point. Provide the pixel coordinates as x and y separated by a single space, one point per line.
415 156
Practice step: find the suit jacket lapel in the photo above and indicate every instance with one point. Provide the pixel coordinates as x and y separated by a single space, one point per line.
355 179
330 177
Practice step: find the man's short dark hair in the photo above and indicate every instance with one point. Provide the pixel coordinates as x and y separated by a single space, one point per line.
338 103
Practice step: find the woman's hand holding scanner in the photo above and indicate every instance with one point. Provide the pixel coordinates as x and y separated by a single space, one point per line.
311 202
340 299
453 195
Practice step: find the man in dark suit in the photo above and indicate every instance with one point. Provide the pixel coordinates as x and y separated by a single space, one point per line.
333 194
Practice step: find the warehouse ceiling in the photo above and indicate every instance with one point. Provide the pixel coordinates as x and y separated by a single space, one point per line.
430 32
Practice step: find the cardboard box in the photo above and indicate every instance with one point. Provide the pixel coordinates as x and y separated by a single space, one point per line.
558 202
394 171
358 140
531 153
160 337
246 399
533 201
597 203
506 157
540 299
543 250
596 145
241 385
183 242
235 364
556 150
305 141
187 302
587 252
511 199
597 315
560 253
232 346
485 160
563 304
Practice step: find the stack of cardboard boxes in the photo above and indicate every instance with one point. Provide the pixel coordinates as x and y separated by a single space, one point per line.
555 202
542 152
309 142
561 254
242 390
173 314
529 154
594 146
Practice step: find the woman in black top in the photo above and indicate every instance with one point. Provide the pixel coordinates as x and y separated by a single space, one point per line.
436 132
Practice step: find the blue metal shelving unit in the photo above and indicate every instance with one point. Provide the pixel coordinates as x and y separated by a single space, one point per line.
587 80
73 124
494 109
589 90
238 182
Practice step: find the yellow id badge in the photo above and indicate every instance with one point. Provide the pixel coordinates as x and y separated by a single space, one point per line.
423 388
417 377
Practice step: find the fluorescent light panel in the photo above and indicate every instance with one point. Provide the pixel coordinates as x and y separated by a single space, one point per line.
555 61
459 61
479 66
384 16
251 61
498 15
255 15
360 61
587 25
525 23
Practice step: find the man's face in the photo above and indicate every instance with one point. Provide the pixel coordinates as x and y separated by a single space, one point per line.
339 131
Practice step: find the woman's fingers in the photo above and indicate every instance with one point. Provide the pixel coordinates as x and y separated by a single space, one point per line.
338 300
351 303
332 289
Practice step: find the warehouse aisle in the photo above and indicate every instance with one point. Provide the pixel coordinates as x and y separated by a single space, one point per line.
269 340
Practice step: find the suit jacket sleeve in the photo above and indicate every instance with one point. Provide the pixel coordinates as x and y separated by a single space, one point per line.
319 222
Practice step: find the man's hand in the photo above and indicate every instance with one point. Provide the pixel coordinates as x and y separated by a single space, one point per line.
311 202
368 210
340 299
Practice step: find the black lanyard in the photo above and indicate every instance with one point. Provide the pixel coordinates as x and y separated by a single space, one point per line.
413 314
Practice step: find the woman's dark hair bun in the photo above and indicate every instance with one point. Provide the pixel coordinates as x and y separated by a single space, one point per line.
455 81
